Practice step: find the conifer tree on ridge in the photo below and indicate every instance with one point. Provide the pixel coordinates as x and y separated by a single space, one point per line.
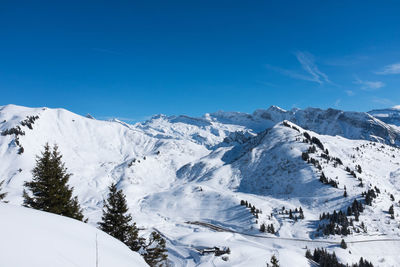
49 190
117 222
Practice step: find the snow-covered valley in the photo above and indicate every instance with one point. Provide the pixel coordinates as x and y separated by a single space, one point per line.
186 177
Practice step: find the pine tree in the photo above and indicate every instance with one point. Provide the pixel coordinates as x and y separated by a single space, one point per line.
155 251
49 190
343 244
309 254
274 262
301 213
2 195
272 229
391 211
117 222
262 228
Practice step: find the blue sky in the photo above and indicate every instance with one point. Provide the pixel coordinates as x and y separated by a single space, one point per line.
133 59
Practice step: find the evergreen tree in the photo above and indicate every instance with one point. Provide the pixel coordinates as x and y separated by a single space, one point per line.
272 229
2 195
262 228
301 213
155 251
117 222
49 190
274 262
309 254
391 211
343 244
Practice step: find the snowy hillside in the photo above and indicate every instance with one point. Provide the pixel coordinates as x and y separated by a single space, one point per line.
186 178
34 238
389 116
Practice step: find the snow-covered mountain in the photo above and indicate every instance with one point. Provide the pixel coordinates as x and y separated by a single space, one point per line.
186 178
389 115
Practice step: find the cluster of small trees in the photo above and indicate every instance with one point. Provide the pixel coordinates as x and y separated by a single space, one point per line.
351 172
296 211
314 140
338 221
20 149
358 169
326 259
318 143
338 224
14 130
369 196
325 155
29 121
253 210
285 123
269 228
323 179
49 191
355 209
306 157
293 213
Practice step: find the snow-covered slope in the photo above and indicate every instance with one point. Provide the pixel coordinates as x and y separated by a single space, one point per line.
37 239
181 174
351 125
389 115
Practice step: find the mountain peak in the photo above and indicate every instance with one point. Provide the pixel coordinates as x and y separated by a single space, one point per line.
397 107
276 108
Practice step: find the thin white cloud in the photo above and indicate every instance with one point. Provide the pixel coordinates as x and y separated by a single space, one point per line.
349 92
307 62
390 69
291 73
369 85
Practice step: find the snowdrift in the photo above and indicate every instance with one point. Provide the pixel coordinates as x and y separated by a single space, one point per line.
40 239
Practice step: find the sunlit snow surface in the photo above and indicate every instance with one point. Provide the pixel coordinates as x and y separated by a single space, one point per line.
34 238
179 169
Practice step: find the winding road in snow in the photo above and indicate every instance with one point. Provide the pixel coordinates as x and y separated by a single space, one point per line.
221 229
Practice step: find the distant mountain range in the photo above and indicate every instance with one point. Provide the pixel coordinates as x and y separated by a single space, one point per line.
389 115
